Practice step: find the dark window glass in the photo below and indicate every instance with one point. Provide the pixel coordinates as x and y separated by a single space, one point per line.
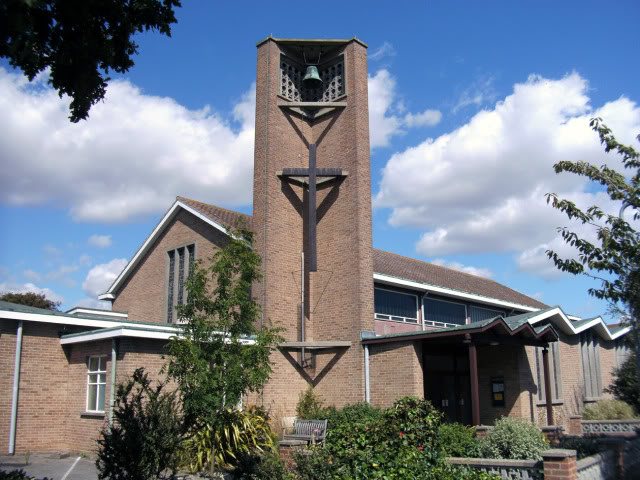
395 304
181 277
172 268
444 312
478 314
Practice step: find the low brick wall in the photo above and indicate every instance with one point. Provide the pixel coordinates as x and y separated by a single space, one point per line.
601 466
507 469
616 428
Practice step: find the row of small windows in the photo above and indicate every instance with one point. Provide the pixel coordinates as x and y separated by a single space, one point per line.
404 307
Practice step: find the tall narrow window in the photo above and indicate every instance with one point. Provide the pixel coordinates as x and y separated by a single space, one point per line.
478 314
590 356
180 263
96 384
554 372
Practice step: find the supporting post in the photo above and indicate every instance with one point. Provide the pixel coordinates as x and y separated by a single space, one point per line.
112 387
16 386
312 208
367 385
547 385
475 393
302 306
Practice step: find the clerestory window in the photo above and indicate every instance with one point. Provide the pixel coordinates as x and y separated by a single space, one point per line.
179 264
397 306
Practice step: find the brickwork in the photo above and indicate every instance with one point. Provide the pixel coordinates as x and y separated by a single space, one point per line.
395 370
339 296
143 294
607 364
560 464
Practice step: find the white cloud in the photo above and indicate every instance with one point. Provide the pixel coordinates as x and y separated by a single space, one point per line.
30 287
385 109
32 275
132 157
481 92
481 187
85 260
428 118
92 303
51 250
479 272
384 50
100 241
100 277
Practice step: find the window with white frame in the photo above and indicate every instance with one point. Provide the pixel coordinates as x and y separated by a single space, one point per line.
396 306
96 384
442 313
590 356
179 264
555 374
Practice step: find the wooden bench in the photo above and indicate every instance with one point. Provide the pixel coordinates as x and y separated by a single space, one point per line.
308 430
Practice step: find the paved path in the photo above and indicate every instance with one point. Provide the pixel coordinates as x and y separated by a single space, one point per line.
52 466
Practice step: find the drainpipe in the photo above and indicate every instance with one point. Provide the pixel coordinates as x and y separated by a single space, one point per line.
16 386
112 389
367 384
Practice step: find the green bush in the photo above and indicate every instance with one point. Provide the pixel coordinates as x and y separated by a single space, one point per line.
625 384
260 467
17 475
608 410
310 406
235 432
584 446
456 440
511 439
145 436
315 463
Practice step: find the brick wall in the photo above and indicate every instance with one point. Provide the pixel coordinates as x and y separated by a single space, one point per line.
144 294
395 370
339 296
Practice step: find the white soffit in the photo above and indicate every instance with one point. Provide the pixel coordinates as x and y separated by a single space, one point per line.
561 320
148 243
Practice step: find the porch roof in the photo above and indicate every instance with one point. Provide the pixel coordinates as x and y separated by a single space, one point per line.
510 330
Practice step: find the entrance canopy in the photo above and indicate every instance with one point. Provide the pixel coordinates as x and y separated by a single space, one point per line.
515 330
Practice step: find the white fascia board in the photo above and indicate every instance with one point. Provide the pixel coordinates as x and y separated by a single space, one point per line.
567 326
389 280
622 332
148 243
90 311
555 313
121 332
77 321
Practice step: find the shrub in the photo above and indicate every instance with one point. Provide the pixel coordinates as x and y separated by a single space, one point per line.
310 406
17 475
316 463
584 446
608 410
456 440
512 439
625 384
234 433
143 441
260 467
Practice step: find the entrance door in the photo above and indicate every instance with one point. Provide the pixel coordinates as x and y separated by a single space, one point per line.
446 383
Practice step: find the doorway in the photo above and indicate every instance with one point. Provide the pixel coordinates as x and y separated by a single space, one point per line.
447 382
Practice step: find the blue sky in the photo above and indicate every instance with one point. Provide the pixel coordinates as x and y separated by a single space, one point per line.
471 104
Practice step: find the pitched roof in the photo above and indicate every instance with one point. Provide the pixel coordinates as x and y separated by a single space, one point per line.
416 270
220 215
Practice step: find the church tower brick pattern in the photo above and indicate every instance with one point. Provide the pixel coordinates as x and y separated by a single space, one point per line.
338 292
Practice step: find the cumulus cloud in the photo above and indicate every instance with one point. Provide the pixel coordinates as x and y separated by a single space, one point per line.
132 157
481 92
385 111
100 241
30 287
481 188
100 277
479 272
92 303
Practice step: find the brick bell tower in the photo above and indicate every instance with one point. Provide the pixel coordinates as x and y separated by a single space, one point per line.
312 215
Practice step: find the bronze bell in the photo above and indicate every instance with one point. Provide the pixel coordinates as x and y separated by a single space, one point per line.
312 78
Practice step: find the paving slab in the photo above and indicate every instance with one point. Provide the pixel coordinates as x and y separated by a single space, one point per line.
51 466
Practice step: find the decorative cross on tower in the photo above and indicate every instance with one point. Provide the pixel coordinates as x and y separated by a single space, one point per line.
309 177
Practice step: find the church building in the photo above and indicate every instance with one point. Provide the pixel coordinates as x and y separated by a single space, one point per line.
361 324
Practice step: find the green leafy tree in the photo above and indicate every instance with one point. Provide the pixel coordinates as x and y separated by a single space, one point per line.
211 359
31 299
79 41
615 259
625 385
